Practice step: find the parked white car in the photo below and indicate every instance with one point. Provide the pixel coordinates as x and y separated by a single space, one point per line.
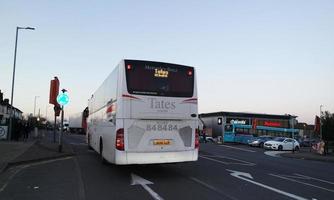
282 144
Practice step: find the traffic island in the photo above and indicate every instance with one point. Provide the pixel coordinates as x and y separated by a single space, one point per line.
306 154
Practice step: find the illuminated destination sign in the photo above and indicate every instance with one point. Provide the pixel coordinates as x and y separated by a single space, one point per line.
161 73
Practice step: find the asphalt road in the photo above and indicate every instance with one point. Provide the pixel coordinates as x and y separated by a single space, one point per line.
222 172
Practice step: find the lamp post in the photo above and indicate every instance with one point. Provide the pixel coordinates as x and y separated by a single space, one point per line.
320 122
13 80
35 105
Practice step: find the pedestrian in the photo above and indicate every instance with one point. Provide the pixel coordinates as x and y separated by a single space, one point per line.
17 129
204 134
26 131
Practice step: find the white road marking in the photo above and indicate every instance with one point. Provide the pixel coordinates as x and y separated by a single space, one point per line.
246 177
239 162
12 172
204 184
81 186
137 180
317 179
212 188
241 149
274 153
293 180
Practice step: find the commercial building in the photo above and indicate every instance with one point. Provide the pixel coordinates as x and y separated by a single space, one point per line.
240 127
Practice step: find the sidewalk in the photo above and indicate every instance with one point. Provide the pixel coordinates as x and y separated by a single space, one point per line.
305 154
33 150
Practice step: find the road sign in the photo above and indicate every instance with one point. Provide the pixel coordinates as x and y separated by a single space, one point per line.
63 99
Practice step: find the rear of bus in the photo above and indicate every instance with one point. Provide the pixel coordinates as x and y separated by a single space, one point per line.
157 113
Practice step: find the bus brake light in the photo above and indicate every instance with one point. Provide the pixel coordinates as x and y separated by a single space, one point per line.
196 139
120 139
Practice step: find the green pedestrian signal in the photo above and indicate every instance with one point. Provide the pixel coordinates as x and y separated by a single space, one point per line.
63 99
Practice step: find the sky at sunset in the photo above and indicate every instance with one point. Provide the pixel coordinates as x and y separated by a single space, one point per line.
262 56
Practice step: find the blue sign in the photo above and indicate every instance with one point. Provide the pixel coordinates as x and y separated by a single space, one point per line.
63 99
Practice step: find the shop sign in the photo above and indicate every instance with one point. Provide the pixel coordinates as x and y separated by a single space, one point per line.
243 122
237 121
272 124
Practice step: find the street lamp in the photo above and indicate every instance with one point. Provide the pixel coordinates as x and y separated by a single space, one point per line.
35 105
320 122
13 80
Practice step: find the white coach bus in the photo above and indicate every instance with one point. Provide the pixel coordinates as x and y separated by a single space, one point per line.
145 112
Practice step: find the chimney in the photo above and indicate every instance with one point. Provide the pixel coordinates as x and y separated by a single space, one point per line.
6 101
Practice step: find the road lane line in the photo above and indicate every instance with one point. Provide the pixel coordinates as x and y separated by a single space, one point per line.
218 161
324 181
241 149
11 174
81 186
235 159
240 162
308 184
16 170
240 175
212 188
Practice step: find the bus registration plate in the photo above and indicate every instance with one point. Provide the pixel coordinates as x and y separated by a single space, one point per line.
161 142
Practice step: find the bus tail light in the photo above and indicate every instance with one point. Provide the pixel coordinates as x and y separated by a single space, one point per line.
120 139
196 139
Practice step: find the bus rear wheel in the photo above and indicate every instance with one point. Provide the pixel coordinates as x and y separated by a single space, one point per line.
103 161
88 141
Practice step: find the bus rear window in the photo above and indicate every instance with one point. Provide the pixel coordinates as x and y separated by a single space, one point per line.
159 79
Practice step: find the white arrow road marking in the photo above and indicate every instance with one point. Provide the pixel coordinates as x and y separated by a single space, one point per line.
137 180
293 180
246 177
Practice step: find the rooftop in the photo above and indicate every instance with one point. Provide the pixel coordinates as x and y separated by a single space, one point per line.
246 115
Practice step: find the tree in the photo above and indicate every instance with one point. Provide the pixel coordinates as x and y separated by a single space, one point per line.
327 121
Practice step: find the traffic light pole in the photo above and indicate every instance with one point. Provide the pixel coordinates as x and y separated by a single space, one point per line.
54 129
60 146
